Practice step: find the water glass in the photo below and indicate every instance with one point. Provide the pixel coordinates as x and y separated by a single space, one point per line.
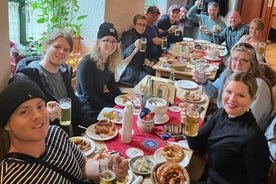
143 46
65 106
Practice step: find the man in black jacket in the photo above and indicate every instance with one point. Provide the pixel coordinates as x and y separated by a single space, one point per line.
52 74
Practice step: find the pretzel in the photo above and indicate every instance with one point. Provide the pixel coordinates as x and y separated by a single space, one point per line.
170 173
173 153
82 144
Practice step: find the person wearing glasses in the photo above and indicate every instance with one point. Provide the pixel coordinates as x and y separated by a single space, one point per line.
235 147
242 59
133 56
96 87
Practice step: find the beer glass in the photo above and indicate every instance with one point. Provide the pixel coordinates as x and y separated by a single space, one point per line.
191 128
143 46
65 107
164 43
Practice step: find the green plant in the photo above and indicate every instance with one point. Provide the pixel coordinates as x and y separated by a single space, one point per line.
59 14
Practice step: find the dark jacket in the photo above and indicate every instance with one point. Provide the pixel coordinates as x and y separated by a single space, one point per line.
27 69
134 72
236 147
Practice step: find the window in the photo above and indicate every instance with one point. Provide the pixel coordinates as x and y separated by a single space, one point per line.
22 21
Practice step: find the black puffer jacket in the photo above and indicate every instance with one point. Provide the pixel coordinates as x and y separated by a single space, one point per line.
27 68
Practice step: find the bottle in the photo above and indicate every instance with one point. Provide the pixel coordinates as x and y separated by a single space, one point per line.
148 90
127 123
172 76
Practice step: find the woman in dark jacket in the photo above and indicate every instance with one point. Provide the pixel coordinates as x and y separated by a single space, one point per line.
236 147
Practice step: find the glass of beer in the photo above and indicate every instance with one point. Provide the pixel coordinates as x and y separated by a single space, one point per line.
261 49
65 107
191 128
177 30
143 46
164 43
200 4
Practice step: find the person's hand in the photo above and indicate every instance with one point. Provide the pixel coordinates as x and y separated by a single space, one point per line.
53 110
119 166
171 30
137 43
156 41
199 77
183 113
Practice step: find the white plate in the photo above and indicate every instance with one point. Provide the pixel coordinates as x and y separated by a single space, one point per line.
132 152
118 113
130 178
202 41
92 144
165 120
122 99
212 59
175 108
188 39
91 133
186 84
158 156
183 96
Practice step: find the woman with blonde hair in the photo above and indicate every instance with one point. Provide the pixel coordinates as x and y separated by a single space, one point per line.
96 87
256 27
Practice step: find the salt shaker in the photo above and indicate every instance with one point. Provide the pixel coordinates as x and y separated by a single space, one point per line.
127 123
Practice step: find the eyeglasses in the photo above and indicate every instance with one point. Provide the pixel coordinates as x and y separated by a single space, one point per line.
142 25
106 42
241 61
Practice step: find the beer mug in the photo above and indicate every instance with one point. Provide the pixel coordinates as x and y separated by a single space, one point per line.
191 128
164 43
143 46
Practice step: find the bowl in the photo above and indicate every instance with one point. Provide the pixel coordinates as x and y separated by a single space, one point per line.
154 178
145 126
159 106
141 165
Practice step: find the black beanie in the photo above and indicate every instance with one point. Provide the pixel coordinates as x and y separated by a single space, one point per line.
14 95
107 29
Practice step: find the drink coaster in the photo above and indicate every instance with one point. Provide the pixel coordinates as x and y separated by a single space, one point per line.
150 144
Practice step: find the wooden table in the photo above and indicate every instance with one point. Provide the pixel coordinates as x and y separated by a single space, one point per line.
192 166
162 70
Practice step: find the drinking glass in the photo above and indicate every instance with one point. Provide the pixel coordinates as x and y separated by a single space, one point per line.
200 4
65 106
143 46
164 43
137 103
177 30
200 72
191 127
261 49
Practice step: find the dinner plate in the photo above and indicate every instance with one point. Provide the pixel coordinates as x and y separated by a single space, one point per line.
90 132
122 99
186 84
165 120
188 39
183 96
159 158
202 41
212 59
112 114
92 144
